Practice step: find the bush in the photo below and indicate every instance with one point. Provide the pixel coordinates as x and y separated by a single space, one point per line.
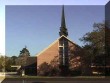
46 69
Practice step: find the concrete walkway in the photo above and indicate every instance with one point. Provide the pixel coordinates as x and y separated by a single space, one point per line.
2 76
56 80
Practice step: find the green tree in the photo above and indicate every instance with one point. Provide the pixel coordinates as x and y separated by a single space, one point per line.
22 58
24 52
95 42
51 69
44 69
14 58
94 47
2 63
8 63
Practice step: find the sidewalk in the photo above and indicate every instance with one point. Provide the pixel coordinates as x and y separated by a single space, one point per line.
2 76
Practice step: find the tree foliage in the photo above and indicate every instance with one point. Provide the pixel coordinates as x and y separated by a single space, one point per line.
44 69
95 44
22 58
2 63
24 52
8 63
14 60
51 69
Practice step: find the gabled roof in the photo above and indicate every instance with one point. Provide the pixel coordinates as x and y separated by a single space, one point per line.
69 40
55 42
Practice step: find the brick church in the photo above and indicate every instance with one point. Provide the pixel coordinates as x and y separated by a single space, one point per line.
63 50
63 53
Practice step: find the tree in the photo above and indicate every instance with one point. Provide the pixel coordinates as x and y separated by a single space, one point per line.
24 52
94 47
51 69
8 63
95 41
14 58
2 63
75 53
55 70
22 58
44 69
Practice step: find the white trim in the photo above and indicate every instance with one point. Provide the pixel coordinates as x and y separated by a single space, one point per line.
70 40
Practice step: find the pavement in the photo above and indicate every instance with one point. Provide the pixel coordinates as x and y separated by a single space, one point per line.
47 81
9 78
56 80
2 76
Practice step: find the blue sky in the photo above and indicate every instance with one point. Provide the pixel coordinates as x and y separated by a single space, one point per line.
3 3
38 26
55 2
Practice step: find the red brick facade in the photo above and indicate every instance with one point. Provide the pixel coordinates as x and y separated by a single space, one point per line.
52 51
48 54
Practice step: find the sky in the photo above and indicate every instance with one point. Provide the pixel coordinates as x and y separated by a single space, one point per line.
32 25
38 26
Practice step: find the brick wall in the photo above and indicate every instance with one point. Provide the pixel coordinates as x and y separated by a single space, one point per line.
48 55
53 51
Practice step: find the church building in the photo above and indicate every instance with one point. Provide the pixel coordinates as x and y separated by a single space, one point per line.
62 53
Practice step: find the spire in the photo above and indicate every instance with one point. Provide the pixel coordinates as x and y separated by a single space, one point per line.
63 29
25 46
63 18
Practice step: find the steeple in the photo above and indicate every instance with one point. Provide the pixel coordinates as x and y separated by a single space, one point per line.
63 18
63 29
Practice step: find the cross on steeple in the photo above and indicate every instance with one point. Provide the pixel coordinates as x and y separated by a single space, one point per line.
63 29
